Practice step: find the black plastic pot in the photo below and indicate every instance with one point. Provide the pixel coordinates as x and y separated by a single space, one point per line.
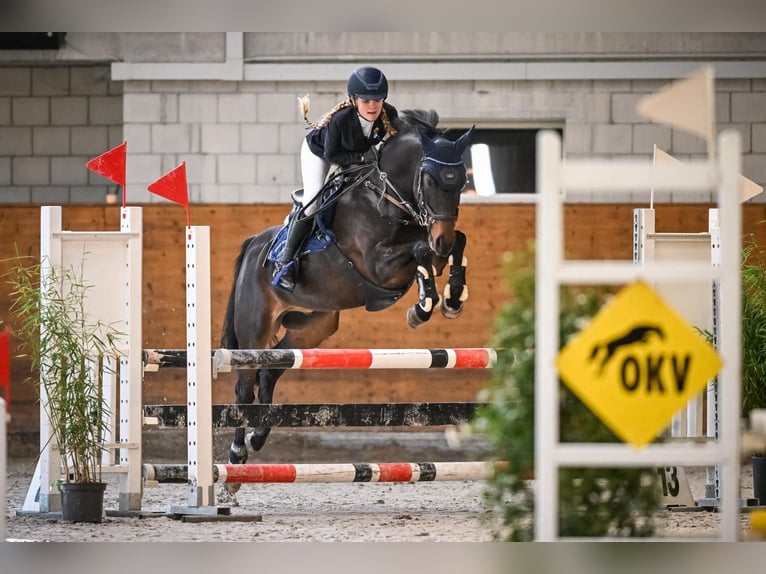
82 501
759 479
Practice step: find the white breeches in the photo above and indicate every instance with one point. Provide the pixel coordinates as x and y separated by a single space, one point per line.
313 171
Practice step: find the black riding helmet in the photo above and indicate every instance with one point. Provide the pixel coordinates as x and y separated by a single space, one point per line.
368 83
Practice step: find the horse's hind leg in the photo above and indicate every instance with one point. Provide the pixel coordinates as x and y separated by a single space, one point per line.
302 332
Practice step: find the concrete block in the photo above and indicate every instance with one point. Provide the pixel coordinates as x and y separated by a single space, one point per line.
219 138
592 108
722 107
105 110
693 196
89 80
114 135
169 86
201 168
748 107
624 108
95 194
754 167
237 108
69 111
30 111
197 108
260 138
51 140
170 108
30 171
50 195
759 138
612 139
211 87
50 81
15 140
17 81
291 138
686 143
5 111
5 171
646 136
142 108
578 138
91 140
138 137
69 170
20 194
277 108
275 169
236 169
220 193
173 138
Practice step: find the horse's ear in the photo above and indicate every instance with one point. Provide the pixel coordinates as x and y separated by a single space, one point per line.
425 141
465 140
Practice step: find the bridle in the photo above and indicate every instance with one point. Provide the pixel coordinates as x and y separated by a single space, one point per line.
423 215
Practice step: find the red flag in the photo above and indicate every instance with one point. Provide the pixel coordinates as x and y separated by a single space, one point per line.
173 186
111 164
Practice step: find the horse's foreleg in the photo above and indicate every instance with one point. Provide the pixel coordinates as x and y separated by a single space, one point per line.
456 290
428 296
245 395
267 380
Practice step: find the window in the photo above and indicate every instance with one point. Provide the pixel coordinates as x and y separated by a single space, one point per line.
501 160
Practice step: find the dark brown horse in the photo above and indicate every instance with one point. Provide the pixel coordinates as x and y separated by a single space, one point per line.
392 223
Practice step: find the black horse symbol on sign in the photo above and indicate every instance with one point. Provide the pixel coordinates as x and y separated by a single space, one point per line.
639 334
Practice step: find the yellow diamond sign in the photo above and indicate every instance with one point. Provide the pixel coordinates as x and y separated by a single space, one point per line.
637 364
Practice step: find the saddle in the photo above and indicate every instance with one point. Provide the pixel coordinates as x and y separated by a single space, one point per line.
322 238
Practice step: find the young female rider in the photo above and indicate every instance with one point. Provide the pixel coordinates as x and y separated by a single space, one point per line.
344 137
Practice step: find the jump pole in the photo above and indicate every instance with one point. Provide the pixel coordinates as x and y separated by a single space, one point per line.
226 360
331 473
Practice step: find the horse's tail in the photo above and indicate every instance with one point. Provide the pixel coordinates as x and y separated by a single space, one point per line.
228 335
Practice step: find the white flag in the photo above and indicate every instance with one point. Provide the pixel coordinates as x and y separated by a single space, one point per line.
747 187
687 104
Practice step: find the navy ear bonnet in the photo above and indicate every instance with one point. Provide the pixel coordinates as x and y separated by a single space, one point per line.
443 160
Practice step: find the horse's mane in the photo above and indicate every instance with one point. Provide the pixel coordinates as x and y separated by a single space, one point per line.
424 121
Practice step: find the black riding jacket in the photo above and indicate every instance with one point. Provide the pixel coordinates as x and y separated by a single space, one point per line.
342 142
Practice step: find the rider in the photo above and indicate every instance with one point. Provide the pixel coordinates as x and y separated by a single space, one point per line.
344 137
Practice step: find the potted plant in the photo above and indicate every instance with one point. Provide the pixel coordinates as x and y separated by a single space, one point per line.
754 348
66 348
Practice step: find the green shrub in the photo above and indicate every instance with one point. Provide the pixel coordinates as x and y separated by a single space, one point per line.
753 327
593 502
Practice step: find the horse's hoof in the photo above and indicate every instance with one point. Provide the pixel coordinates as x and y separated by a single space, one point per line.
449 312
228 493
413 320
238 454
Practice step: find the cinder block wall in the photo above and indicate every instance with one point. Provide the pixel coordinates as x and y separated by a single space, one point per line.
52 120
240 139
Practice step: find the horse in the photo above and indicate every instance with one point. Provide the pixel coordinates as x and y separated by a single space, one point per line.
387 224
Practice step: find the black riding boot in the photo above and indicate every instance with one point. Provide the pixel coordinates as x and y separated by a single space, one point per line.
296 233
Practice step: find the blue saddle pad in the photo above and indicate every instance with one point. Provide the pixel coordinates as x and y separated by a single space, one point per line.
318 241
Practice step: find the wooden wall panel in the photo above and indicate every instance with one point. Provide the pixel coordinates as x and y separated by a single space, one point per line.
591 231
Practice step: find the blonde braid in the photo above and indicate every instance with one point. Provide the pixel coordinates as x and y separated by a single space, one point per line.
303 104
390 129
